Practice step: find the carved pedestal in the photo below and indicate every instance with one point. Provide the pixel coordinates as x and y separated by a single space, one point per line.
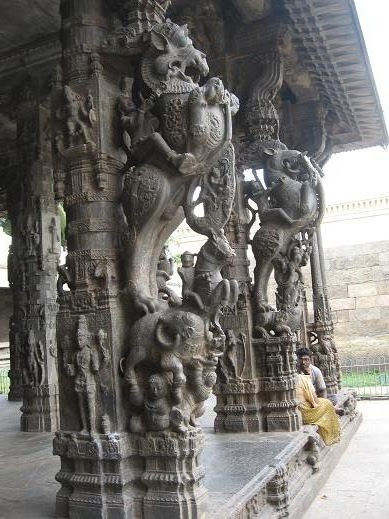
237 408
40 409
97 476
173 475
278 387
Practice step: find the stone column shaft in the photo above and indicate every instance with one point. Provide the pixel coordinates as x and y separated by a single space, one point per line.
323 347
33 263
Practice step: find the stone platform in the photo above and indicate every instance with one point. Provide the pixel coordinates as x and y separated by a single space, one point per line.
247 475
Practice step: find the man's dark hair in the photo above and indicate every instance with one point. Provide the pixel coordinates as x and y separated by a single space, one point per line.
303 352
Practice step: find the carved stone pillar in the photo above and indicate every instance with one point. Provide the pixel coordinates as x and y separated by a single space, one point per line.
33 263
261 396
238 408
128 443
321 330
98 462
16 279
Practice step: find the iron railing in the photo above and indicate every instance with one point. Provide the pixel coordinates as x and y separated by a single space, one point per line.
4 382
368 377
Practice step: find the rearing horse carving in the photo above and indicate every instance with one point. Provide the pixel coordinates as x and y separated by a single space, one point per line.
292 202
179 133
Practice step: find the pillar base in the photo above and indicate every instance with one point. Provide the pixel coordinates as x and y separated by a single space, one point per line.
122 476
173 475
237 407
99 476
40 409
282 416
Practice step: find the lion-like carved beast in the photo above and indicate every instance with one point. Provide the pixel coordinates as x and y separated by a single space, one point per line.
292 202
178 131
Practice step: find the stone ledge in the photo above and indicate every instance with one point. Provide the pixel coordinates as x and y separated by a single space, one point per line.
286 485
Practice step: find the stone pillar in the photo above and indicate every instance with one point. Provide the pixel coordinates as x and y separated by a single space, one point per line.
134 370
98 461
16 279
238 407
33 264
261 396
321 330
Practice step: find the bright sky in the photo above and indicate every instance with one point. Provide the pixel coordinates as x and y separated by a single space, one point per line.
365 173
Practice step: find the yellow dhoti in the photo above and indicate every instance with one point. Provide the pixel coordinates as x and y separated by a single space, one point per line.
317 411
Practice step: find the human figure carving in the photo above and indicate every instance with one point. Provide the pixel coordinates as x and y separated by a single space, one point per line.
230 360
288 274
78 115
32 235
84 367
165 269
34 360
155 406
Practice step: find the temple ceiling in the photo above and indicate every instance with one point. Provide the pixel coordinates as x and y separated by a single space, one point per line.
26 21
328 94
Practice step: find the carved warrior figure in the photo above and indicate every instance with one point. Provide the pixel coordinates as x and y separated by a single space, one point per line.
203 284
78 115
179 132
292 202
84 366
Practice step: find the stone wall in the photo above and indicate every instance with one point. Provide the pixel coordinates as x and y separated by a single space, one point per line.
358 285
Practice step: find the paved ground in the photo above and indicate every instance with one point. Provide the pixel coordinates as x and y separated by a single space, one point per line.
359 486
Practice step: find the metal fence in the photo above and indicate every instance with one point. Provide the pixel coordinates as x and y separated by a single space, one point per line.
369 377
4 382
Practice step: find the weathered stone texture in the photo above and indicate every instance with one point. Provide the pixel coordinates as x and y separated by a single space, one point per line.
347 303
358 286
359 290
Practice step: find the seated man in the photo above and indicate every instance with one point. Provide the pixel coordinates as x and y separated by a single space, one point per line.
317 411
306 367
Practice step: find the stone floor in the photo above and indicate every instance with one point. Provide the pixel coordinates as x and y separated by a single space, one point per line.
27 466
359 485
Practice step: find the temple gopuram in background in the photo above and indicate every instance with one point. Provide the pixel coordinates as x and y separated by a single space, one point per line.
130 116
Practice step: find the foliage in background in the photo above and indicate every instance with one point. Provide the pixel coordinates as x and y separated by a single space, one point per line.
5 224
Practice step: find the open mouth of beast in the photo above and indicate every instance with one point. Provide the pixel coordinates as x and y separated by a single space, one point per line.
192 73
189 71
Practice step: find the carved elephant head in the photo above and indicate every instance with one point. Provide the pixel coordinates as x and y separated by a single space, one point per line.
183 333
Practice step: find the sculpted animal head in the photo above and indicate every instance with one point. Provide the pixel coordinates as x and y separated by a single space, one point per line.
290 163
172 60
217 248
187 335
